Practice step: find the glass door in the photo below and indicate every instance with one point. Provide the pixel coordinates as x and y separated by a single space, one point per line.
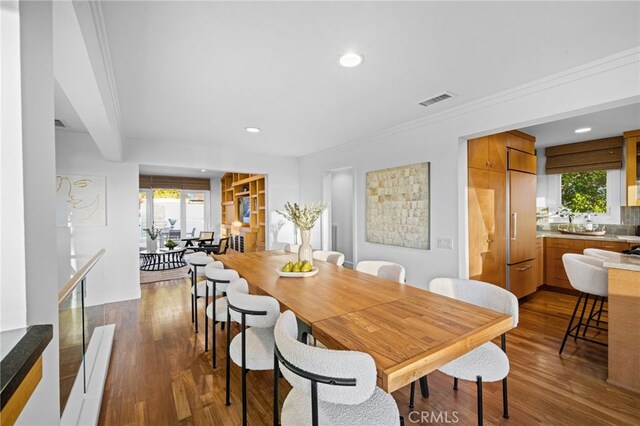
144 216
196 212
167 214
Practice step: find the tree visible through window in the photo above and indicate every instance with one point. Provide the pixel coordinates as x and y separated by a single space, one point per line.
585 192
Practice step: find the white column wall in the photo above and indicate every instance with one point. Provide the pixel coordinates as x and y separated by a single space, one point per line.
43 408
13 296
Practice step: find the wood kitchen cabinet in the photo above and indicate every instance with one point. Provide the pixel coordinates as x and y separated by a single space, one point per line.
487 226
488 153
539 261
492 162
632 147
554 248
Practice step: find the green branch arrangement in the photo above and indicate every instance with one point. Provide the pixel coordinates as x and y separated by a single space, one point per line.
153 232
303 217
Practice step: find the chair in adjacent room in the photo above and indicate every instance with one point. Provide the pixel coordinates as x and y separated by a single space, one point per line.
380 268
329 387
488 362
218 279
588 276
205 238
252 348
334 257
291 248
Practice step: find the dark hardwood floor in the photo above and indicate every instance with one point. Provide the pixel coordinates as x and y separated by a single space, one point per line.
160 374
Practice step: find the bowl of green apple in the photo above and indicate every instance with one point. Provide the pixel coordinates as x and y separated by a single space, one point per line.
300 269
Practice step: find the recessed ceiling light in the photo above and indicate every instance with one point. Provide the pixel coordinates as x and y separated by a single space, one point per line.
252 130
583 130
351 59
202 170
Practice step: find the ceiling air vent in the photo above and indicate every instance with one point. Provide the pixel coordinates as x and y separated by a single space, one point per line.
439 98
59 123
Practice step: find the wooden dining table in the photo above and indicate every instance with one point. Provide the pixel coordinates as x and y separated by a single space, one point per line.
408 331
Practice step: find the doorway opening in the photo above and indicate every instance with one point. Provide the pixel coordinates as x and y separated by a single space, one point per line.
338 221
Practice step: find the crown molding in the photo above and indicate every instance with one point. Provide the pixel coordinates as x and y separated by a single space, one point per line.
105 53
599 66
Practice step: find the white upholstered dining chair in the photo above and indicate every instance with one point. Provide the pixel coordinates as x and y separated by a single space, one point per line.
291 248
380 268
334 257
329 387
218 279
587 275
488 362
252 348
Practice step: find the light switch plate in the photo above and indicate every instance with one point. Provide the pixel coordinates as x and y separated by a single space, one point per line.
445 243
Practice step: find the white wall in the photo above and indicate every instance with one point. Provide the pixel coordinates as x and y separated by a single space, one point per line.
39 200
436 139
342 211
13 296
216 212
76 154
282 174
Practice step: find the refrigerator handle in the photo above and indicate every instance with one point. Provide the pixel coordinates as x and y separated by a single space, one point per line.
515 226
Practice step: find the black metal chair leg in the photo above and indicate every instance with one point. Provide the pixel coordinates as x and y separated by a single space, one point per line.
600 311
401 421
206 320
276 388
412 395
455 383
227 402
195 294
584 308
479 385
505 401
593 305
573 316
244 372
193 317
214 322
424 387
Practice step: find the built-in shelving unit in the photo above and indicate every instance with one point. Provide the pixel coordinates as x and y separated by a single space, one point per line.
238 190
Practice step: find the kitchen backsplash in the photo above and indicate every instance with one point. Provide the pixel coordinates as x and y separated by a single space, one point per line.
629 216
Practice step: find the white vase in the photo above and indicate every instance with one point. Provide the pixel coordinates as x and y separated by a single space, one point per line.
152 245
305 252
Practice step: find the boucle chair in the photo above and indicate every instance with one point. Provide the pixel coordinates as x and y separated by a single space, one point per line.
488 362
195 262
291 248
382 269
588 276
252 348
334 257
218 280
343 387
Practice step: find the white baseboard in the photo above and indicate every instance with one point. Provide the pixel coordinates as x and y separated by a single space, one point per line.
84 408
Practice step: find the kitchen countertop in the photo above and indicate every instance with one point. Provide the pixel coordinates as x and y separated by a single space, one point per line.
624 261
621 238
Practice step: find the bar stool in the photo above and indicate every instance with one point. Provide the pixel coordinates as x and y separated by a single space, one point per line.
218 280
252 348
588 276
195 262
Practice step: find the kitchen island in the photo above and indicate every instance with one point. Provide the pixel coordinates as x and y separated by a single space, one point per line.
624 321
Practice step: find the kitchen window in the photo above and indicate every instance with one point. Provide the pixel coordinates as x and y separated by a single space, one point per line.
586 198
584 192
